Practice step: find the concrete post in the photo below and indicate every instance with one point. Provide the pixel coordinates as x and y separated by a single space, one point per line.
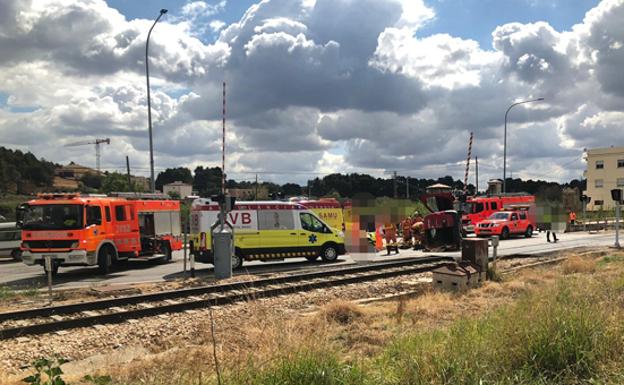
48 264
617 225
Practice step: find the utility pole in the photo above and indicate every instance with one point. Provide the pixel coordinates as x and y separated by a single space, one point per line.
477 174
128 172
223 147
256 195
149 103
394 180
407 187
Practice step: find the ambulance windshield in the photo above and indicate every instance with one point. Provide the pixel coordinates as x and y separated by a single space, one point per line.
53 217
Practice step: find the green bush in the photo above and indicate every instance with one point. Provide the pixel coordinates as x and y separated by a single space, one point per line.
302 368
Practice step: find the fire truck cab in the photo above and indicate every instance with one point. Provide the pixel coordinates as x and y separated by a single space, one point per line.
480 208
75 230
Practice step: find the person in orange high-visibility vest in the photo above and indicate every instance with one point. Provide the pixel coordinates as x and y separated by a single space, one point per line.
572 217
379 238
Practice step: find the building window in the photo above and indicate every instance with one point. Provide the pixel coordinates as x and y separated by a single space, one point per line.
620 163
598 203
599 183
620 182
599 164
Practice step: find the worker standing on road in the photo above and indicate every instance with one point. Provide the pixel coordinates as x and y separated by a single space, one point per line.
406 226
379 234
572 217
391 238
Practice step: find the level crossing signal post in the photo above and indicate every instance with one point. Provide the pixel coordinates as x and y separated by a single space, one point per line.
585 200
222 236
616 194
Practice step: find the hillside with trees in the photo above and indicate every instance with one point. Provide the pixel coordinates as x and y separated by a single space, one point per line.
21 172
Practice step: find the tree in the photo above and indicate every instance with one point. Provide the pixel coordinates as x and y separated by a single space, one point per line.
207 181
291 189
115 182
91 180
170 175
174 195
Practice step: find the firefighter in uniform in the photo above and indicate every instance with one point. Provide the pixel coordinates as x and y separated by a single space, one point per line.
406 226
418 230
391 237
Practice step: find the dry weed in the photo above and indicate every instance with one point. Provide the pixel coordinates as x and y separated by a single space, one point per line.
577 264
341 312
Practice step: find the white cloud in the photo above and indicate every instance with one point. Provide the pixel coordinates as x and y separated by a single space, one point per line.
313 86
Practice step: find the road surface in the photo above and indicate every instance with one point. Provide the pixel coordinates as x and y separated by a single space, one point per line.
18 275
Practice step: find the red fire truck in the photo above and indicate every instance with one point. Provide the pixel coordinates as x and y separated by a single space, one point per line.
480 208
75 230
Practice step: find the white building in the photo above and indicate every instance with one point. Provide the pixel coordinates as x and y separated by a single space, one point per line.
182 189
605 171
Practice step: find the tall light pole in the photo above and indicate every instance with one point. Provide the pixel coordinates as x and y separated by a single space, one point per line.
505 140
149 103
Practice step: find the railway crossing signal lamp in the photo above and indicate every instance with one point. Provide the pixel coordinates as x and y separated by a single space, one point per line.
616 195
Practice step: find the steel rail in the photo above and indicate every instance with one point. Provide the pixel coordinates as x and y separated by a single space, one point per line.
238 291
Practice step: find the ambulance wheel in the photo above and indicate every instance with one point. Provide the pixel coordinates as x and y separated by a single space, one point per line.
312 258
529 232
504 233
329 253
237 260
16 255
105 259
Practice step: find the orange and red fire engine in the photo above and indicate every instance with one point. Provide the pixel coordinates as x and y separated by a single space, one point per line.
75 230
479 208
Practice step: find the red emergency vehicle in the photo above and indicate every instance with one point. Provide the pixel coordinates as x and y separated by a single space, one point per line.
75 230
514 220
480 208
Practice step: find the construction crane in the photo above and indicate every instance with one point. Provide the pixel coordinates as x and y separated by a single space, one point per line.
97 143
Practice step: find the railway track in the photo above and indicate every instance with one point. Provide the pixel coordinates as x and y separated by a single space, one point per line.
116 310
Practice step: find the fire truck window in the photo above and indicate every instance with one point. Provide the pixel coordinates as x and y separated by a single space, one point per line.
108 214
494 206
514 217
477 208
523 215
94 215
120 213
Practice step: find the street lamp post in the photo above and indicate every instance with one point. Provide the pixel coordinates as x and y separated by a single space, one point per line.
505 140
149 103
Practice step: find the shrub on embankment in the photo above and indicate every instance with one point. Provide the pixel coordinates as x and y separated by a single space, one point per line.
571 333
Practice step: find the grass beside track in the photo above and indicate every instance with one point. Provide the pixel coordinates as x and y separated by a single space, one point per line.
557 325
571 333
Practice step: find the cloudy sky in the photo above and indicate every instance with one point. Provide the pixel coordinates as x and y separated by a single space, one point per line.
316 86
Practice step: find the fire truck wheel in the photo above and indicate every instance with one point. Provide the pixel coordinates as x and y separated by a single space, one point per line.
312 258
105 259
237 260
529 232
166 250
505 233
329 253
16 255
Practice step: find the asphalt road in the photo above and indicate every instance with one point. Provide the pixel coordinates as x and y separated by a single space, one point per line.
18 275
